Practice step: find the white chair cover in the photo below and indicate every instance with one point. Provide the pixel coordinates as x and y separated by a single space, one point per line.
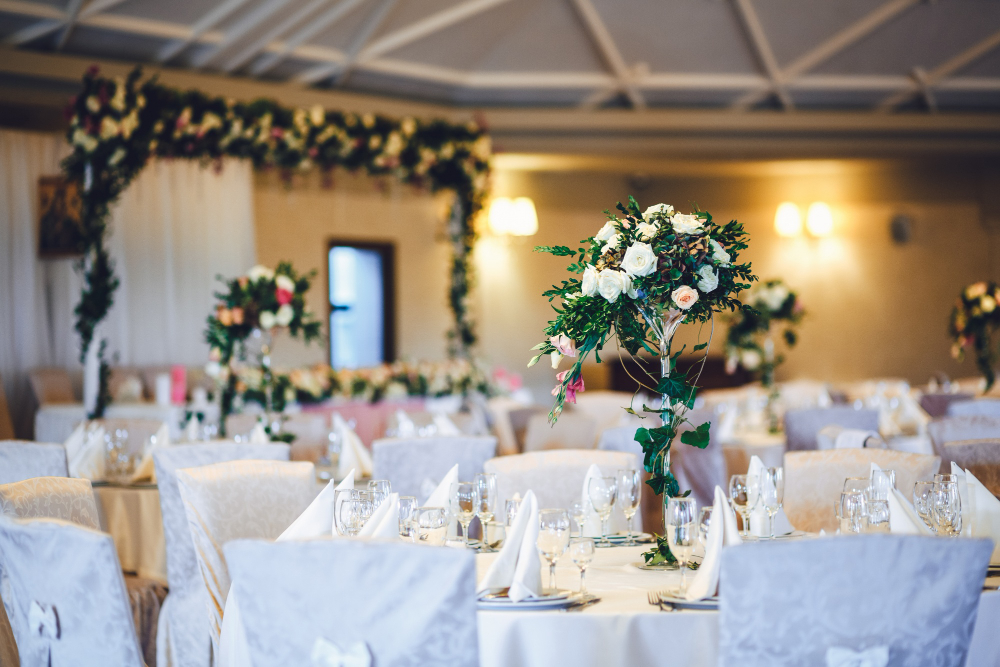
499 409
409 605
23 459
239 499
73 571
182 636
67 498
917 596
983 407
407 462
607 408
557 477
801 426
574 430
954 429
814 480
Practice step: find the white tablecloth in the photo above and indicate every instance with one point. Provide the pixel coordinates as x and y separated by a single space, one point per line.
55 422
623 629
131 514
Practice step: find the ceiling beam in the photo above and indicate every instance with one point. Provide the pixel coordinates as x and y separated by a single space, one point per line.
322 22
34 31
260 44
933 77
831 47
762 49
342 70
608 50
240 29
203 25
72 13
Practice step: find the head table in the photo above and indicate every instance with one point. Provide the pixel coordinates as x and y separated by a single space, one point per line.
623 629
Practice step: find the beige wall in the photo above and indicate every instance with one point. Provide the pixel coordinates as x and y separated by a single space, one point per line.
875 309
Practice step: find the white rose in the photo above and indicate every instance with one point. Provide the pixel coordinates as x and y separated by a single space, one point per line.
285 283
750 359
589 286
611 284
646 231
684 297
657 211
258 272
629 286
686 224
709 281
773 297
719 253
988 303
284 316
606 232
639 260
267 320
612 243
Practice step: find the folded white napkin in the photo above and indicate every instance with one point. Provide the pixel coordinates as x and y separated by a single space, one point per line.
145 469
353 454
258 436
439 498
968 500
85 452
192 428
758 516
384 521
591 522
903 519
518 566
405 428
986 520
839 656
445 426
722 532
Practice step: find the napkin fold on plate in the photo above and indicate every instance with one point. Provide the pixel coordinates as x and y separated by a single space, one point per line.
145 469
968 500
439 497
758 516
258 436
903 519
85 452
722 532
384 521
591 522
985 512
518 567
353 454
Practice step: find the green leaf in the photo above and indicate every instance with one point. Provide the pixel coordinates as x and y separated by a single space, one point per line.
699 347
534 360
699 437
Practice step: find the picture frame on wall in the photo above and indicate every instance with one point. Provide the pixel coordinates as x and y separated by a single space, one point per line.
60 230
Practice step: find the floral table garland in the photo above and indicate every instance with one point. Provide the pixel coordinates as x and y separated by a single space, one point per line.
974 321
117 125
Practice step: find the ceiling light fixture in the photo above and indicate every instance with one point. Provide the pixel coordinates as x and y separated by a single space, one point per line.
788 220
516 217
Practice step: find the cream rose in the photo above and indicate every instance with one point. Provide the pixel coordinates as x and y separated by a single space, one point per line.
258 272
657 211
987 303
709 281
590 279
684 297
285 283
284 315
612 243
750 359
972 291
646 230
267 320
611 284
719 253
639 260
630 288
686 224
606 232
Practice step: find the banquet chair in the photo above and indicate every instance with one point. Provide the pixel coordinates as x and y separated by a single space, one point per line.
51 385
234 500
401 604
984 407
980 457
557 477
408 462
71 575
936 405
182 636
499 410
796 603
607 408
22 459
801 426
6 424
574 430
955 429
814 480
519 418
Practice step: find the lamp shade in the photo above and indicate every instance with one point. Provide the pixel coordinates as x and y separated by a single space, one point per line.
788 220
516 217
819 219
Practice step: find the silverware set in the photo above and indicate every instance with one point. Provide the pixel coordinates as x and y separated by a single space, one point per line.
655 598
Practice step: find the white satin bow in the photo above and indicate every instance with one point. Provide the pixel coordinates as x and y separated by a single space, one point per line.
839 656
327 654
43 620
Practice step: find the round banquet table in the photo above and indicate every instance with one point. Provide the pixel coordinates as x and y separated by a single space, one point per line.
131 515
624 629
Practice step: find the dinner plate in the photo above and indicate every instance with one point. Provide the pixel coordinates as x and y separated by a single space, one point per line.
623 537
500 595
553 600
711 603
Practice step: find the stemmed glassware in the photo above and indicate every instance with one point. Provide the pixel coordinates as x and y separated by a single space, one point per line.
380 490
629 497
510 508
350 516
581 550
882 483
463 505
553 539
485 484
432 525
923 502
772 491
407 507
578 512
603 492
704 522
853 512
947 507
681 524
739 494
340 496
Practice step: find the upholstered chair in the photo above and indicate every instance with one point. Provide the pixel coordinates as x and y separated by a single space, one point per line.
983 407
801 426
23 459
574 430
67 498
408 462
958 429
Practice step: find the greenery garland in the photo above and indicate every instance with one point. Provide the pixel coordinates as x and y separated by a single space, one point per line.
117 125
974 321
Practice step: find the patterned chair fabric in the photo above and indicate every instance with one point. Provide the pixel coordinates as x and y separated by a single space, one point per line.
936 405
407 462
984 407
574 430
410 605
916 596
23 459
234 500
183 638
801 426
958 429
75 572
67 498
980 457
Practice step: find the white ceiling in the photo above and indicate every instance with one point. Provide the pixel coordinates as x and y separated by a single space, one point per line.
793 54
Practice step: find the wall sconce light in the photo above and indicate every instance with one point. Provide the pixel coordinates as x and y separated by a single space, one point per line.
788 220
819 219
516 217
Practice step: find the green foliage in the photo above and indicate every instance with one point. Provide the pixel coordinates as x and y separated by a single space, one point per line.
767 305
973 325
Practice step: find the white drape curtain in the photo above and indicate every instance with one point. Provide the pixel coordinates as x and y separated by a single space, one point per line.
176 228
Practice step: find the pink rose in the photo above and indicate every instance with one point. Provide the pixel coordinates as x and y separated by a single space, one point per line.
684 297
572 388
283 296
564 345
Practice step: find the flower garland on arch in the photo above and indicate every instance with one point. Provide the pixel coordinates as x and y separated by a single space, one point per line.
117 125
974 320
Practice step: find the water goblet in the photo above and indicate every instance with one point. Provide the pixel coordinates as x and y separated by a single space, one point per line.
462 503
923 502
350 516
581 550
494 533
578 512
739 495
878 516
771 494
859 484
681 525
432 525
486 500
629 497
340 496
603 492
882 484
704 521
407 506
853 512
945 477
553 539
380 490
510 508
947 508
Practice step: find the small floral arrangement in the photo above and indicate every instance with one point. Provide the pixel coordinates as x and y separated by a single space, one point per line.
748 343
637 279
974 320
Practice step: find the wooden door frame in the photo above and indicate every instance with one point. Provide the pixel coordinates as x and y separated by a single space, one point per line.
387 249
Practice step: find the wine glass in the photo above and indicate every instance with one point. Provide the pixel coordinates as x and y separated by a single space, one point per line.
923 502
945 477
704 521
581 550
339 497
753 495
510 508
853 512
878 516
367 504
859 484
882 483
629 497
350 517
486 500
380 490
772 488
739 494
778 476
462 503
947 508
578 512
407 506
603 492
553 539
681 525
432 525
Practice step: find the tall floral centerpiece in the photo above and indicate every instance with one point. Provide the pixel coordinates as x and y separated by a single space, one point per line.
974 320
638 278
240 330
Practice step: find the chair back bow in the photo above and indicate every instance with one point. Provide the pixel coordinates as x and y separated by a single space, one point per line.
839 656
327 654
